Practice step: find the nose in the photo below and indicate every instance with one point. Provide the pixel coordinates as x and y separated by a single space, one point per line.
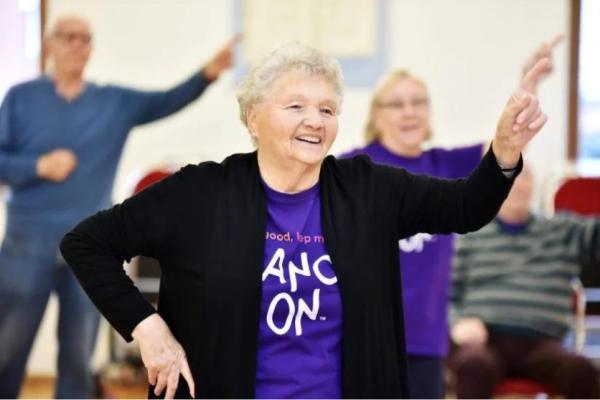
409 109
313 119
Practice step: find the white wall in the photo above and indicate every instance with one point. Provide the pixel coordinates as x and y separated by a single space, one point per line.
469 51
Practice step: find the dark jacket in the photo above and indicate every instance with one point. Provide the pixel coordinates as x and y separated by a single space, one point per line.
206 226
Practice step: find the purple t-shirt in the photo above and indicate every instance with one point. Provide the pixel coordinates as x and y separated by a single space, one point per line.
300 332
426 259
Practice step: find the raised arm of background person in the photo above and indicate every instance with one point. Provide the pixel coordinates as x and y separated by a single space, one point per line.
544 50
153 105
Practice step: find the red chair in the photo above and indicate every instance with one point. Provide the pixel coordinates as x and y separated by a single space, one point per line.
150 178
523 387
581 195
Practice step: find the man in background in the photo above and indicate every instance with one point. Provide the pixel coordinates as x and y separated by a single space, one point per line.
61 139
511 303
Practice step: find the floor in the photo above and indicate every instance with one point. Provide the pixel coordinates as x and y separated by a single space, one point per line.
42 387
37 387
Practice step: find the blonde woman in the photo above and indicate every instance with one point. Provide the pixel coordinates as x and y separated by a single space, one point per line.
397 131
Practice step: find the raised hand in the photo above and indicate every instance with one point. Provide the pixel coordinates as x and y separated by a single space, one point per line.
521 119
545 50
56 165
470 330
222 60
163 356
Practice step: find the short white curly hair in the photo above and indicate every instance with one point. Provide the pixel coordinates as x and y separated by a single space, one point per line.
293 56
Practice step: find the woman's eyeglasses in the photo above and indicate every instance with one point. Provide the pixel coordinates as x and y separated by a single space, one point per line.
418 103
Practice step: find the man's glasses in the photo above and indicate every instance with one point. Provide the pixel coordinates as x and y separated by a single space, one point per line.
72 37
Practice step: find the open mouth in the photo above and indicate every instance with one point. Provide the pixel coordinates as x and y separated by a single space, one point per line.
309 139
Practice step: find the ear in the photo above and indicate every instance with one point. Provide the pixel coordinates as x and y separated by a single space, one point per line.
251 120
46 47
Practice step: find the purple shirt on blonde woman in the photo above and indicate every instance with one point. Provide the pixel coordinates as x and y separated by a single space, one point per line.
426 259
300 332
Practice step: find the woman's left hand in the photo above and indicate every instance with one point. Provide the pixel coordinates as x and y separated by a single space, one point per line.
521 119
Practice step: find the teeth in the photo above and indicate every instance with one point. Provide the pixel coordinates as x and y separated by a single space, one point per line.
310 139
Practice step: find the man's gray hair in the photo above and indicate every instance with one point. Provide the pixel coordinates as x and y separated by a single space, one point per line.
292 56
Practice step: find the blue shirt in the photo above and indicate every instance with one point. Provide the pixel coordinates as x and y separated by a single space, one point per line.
34 120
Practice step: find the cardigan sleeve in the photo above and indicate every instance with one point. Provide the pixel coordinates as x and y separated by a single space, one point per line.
96 248
433 205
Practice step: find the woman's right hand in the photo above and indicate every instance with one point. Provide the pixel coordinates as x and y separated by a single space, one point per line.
163 356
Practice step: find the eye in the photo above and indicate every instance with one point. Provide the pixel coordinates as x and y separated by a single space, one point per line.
328 111
295 107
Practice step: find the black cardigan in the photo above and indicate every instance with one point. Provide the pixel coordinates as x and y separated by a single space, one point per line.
206 226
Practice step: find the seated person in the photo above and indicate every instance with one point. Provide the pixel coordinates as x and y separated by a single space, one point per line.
511 299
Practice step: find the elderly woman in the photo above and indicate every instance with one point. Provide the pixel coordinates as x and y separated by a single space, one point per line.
280 267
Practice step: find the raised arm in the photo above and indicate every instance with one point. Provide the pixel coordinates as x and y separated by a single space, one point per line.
441 206
153 105
544 50
433 205
521 119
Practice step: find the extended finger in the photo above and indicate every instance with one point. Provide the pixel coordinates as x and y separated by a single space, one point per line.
542 67
187 375
556 40
232 42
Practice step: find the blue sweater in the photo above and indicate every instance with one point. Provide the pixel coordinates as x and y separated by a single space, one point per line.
35 120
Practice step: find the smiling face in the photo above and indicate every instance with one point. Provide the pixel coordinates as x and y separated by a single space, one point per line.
401 115
296 122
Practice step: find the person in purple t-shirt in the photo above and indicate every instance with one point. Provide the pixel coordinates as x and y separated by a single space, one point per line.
279 267
299 284
396 132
